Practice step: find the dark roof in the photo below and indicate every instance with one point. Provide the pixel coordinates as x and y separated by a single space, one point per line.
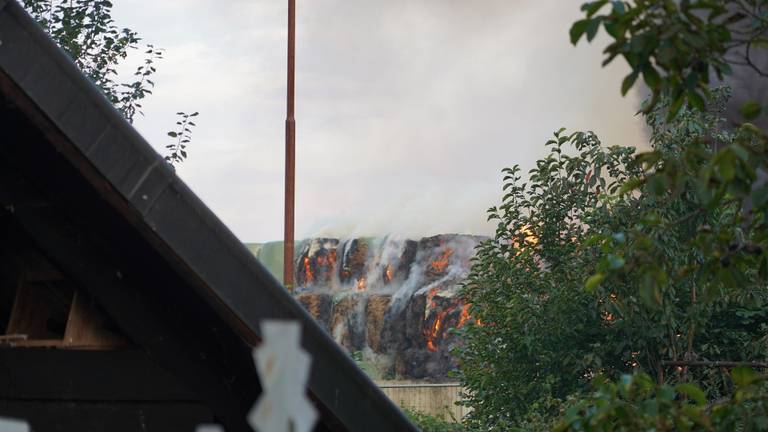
163 266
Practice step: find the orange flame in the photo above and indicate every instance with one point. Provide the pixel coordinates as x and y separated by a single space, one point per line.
388 274
439 265
328 260
433 333
431 297
464 317
361 284
308 276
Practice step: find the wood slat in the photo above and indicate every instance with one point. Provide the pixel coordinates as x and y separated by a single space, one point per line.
86 326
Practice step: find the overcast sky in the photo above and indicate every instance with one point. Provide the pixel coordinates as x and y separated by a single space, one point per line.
407 110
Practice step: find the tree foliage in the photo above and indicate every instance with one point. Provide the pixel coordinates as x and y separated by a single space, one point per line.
431 423
637 403
678 46
606 262
539 329
85 30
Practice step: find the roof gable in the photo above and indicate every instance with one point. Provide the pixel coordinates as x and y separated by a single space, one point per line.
111 213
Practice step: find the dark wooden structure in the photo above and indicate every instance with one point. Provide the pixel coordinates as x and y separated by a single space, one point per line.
125 304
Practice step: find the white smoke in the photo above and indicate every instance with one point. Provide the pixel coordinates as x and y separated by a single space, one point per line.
407 110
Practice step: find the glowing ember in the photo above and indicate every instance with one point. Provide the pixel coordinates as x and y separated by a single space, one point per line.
464 317
388 274
431 298
439 265
361 284
434 333
308 276
328 261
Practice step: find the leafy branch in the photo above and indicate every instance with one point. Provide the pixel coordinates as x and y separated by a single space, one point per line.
177 151
85 30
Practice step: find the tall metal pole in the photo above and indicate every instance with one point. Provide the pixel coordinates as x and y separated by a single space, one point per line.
290 152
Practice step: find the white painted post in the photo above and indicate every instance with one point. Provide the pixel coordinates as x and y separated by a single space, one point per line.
283 368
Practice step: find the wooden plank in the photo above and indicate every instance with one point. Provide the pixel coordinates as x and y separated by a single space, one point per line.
33 308
181 352
86 326
38 343
435 399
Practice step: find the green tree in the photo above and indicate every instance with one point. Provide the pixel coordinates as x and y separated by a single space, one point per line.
605 262
637 403
85 30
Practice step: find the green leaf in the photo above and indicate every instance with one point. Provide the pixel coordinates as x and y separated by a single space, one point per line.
651 76
628 82
727 166
743 376
696 100
593 282
615 262
649 290
577 30
173 134
693 392
658 184
630 185
593 7
592 29
675 106
751 110
760 196
620 237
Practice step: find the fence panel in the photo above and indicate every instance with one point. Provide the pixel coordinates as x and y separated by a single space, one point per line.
434 399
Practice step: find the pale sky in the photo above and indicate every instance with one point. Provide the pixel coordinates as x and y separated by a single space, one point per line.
406 110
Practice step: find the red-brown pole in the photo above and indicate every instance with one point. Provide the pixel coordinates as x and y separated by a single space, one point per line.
290 152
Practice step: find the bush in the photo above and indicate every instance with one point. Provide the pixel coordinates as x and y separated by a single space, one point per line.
430 423
637 403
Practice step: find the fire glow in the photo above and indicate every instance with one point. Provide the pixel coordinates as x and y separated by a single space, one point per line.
439 265
388 274
328 261
434 333
308 276
464 317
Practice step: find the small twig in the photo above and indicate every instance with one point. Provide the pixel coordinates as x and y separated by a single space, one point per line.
750 63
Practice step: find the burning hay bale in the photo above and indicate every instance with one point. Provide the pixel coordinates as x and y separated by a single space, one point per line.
316 265
347 319
393 298
375 314
354 260
319 306
405 260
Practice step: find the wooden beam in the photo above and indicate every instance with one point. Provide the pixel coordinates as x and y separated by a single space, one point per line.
37 304
138 316
86 326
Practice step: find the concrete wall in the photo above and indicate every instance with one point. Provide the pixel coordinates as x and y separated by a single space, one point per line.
435 399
